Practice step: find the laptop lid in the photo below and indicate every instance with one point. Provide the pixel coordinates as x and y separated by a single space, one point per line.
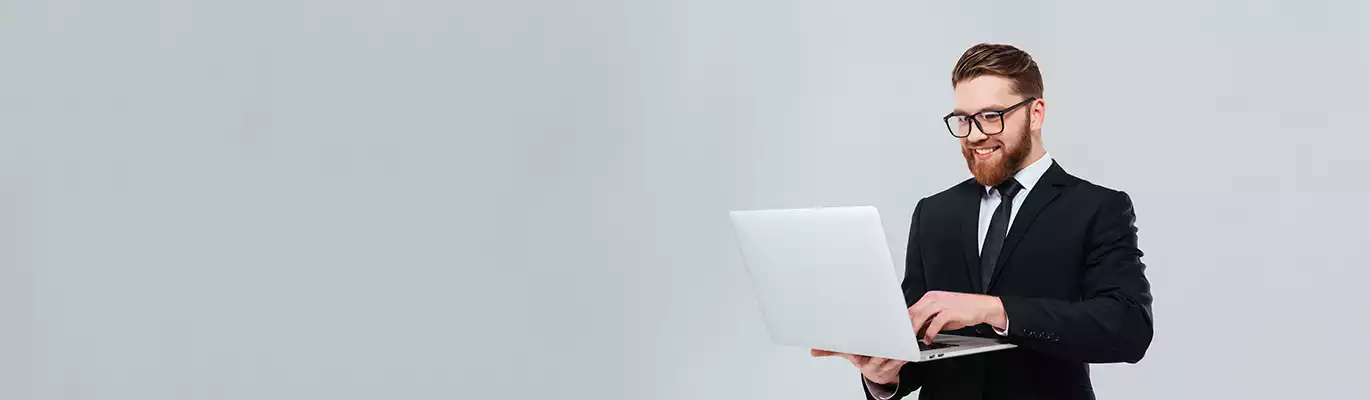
825 279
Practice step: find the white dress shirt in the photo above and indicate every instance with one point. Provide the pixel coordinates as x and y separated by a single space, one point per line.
1027 177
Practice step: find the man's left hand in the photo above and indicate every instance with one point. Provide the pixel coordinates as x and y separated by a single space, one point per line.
950 311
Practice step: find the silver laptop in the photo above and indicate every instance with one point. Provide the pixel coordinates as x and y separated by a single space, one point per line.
825 280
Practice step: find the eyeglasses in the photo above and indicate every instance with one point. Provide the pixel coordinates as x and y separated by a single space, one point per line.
990 122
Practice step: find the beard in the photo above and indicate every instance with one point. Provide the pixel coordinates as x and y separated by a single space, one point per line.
990 173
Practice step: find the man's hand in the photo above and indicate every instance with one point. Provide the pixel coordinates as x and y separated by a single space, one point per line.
882 371
938 311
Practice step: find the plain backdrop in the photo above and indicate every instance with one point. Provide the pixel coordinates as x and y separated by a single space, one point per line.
408 199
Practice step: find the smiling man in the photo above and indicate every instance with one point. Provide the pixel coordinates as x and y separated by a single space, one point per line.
1023 251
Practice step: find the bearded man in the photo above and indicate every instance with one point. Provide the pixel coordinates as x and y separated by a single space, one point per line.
1024 252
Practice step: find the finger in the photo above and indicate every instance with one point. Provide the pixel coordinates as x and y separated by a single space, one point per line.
822 353
923 303
921 319
935 326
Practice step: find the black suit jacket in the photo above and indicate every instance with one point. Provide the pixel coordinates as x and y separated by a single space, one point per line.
1070 277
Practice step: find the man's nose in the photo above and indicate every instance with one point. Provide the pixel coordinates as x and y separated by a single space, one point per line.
975 134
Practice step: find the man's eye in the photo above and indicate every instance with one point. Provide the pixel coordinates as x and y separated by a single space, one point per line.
988 117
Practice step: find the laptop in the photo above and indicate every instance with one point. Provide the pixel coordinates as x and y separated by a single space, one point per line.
825 280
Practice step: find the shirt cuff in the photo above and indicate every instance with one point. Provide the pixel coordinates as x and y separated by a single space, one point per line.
1003 332
881 392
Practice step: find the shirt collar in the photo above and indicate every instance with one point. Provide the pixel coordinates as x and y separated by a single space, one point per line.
1030 174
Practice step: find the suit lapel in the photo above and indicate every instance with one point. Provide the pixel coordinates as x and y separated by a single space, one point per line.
1046 190
970 231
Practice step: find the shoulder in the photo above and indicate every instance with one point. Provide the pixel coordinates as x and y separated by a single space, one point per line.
1103 200
1097 192
1090 189
951 197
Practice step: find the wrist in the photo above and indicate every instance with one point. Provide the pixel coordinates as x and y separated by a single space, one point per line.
996 316
885 382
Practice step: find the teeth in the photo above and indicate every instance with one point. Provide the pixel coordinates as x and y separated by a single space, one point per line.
985 151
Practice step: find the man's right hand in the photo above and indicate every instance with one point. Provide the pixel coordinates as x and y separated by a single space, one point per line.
881 371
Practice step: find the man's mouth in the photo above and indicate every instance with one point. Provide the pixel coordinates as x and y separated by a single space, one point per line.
985 153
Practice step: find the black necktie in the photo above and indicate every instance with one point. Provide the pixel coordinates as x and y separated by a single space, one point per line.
998 228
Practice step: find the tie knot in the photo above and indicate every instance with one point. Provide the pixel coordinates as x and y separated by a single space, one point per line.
1008 188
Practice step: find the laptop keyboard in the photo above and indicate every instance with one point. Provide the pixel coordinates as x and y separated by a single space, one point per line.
934 346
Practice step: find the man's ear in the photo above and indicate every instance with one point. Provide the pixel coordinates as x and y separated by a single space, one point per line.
1038 110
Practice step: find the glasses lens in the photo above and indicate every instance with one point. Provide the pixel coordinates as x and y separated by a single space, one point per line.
958 125
992 123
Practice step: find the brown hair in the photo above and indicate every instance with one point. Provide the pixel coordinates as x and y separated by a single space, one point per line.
1000 60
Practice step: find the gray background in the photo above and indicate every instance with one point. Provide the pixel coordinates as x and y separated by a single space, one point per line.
288 199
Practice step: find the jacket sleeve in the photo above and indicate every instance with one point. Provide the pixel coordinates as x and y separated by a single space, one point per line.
1113 320
914 287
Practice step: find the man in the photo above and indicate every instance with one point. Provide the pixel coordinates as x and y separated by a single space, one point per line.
1023 251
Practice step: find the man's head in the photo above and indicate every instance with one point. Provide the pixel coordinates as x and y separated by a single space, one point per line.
997 138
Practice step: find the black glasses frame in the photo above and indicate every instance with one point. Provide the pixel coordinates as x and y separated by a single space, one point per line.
974 120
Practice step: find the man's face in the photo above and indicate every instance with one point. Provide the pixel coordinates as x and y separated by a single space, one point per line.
992 159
